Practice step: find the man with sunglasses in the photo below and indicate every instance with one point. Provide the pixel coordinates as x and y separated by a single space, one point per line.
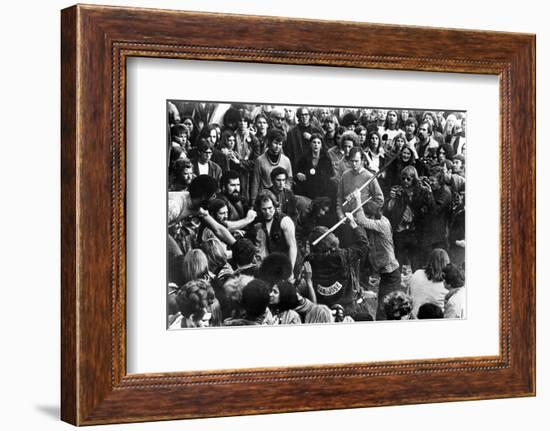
203 164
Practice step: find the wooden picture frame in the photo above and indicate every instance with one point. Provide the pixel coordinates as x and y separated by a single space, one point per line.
95 43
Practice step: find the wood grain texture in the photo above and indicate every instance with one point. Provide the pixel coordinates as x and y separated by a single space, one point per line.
96 41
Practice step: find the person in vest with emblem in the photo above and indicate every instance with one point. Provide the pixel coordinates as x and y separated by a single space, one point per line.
334 269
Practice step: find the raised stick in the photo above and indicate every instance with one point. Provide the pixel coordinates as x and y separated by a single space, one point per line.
342 221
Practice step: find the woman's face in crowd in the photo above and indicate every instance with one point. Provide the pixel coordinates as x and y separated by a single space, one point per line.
289 114
441 155
316 145
275 147
392 117
213 136
404 115
410 128
243 124
406 154
323 114
230 142
362 137
274 295
374 142
181 138
261 124
382 114
346 147
188 124
399 142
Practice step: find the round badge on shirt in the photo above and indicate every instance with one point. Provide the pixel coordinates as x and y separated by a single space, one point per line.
312 171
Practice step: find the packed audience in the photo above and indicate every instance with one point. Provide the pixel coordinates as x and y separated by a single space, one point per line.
293 215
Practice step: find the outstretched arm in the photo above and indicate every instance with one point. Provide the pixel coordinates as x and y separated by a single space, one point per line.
287 226
242 223
220 231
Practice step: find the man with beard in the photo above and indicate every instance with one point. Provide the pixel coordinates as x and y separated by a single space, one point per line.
274 231
297 142
219 211
272 158
425 142
194 203
237 205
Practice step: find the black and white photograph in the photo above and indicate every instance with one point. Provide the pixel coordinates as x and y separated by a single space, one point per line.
300 214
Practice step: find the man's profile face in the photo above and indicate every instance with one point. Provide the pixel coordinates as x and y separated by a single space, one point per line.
267 209
457 166
280 182
233 187
330 125
423 132
275 147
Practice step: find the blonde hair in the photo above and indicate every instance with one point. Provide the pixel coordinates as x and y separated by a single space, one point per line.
215 253
195 265
319 314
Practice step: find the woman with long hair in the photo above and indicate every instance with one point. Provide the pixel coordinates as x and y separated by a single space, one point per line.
389 129
427 284
406 157
314 171
283 299
408 204
374 154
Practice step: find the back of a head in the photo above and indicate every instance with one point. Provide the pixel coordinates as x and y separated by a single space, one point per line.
288 296
215 253
319 313
328 243
397 304
255 298
243 251
203 187
453 275
430 311
275 267
437 261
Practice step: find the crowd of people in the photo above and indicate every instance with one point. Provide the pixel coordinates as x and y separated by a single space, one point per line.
293 215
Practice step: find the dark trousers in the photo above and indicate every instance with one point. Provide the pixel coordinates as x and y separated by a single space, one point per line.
389 282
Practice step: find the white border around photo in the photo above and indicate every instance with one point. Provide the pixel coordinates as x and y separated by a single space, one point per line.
151 348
